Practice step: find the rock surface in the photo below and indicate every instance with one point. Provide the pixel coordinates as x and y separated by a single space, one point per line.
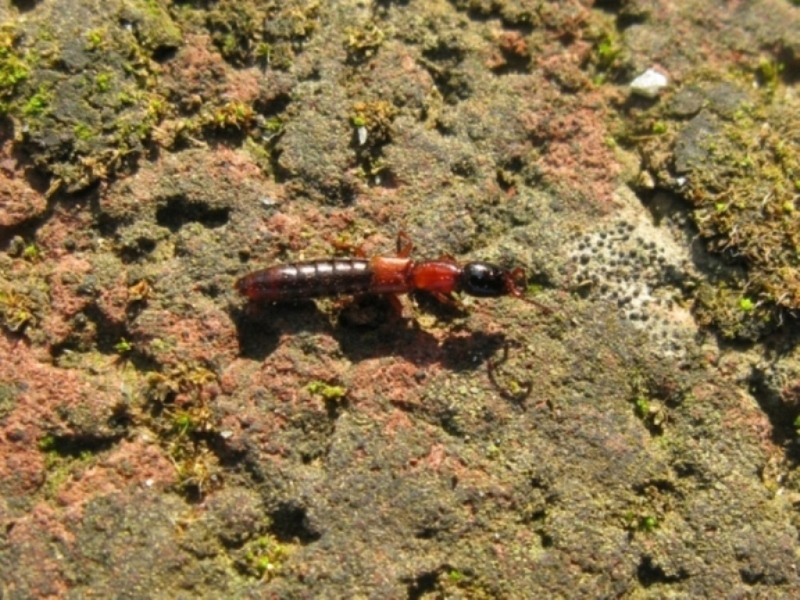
160 438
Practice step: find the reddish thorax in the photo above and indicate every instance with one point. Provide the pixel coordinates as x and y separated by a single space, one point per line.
396 275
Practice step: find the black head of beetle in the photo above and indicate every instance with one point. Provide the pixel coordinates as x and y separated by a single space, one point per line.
484 280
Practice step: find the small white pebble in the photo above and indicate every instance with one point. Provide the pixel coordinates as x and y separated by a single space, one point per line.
267 201
148 483
648 84
226 434
362 135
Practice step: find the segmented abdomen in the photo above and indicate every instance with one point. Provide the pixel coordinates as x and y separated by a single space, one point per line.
310 279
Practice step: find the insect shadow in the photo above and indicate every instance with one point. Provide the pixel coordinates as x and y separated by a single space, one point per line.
366 327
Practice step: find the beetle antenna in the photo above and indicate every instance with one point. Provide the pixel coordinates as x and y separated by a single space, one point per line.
514 290
517 396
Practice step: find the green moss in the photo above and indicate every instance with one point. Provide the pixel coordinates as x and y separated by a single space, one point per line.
124 98
273 125
659 128
263 52
641 521
642 407
31 253
95 39
264 558
736 317
63 457
233 114
47 443
102 82
14 68
16 310
769 73
608 49
647 523
455 576
327 391
183 423
36 104
230 45
123 346
647 407
746 304
83 132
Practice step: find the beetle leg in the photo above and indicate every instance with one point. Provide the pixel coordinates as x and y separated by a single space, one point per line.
353 250
448 299
404 245
396 303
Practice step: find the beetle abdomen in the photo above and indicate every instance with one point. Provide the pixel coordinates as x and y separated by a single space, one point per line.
311 279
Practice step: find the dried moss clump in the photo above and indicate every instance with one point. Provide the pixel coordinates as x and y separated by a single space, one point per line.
734 154
178 400
84 107
269 33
